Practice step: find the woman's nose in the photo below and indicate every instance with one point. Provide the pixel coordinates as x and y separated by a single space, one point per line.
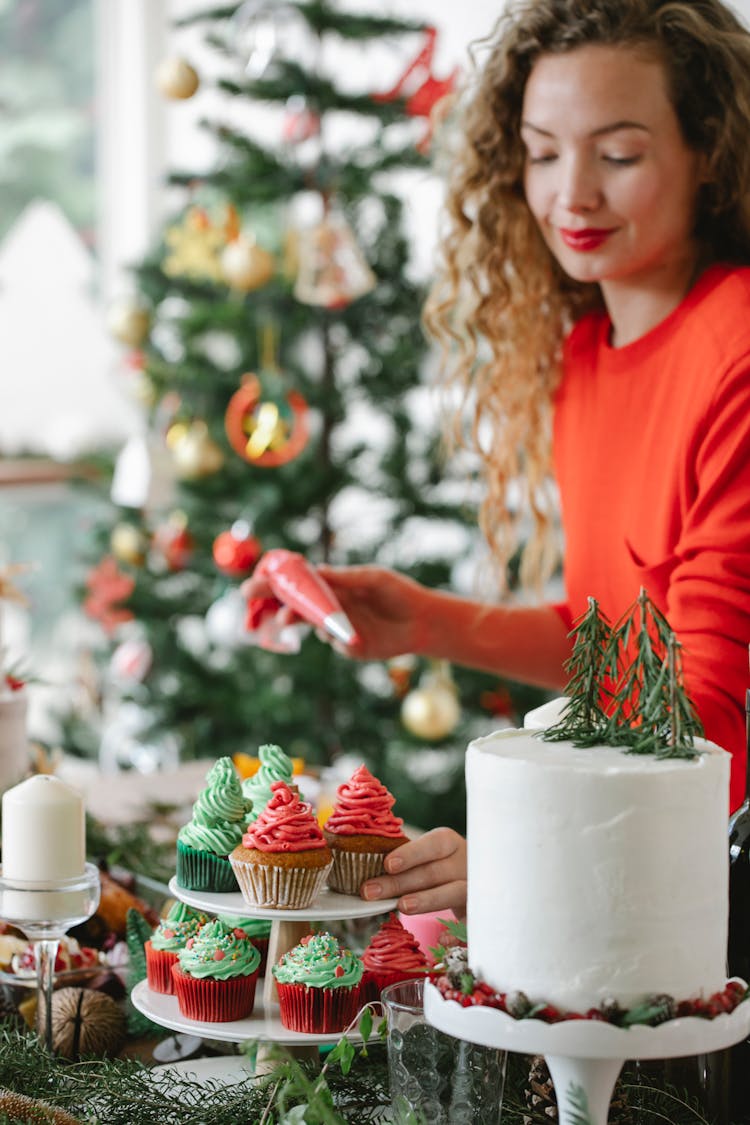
579 188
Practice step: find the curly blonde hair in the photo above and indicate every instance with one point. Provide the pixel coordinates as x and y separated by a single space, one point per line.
500 304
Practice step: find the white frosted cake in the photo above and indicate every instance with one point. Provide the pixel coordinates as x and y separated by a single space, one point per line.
14 745
596 874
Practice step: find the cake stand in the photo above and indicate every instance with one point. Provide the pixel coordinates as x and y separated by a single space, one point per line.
585 1056
288 927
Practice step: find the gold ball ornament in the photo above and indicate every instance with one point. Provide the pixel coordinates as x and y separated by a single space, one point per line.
129 544
176 78
431 712
196 454
84 1022
129 321
245 265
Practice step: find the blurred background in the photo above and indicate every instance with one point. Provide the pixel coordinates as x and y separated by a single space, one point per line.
193 193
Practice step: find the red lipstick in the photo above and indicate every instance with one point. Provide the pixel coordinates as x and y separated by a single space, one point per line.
584 240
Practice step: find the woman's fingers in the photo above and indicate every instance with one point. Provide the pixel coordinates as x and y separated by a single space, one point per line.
451 896
426 874
436 845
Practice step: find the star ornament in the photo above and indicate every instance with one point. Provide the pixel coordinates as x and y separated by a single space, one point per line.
194 247
108 587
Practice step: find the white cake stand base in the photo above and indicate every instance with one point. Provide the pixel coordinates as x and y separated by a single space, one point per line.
585 1056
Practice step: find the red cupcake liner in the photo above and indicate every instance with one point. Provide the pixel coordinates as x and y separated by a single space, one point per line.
159 964
214 1001
375 980
261 944
317 1011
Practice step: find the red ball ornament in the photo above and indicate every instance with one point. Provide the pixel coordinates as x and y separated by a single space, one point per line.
236 551
175 542
246 417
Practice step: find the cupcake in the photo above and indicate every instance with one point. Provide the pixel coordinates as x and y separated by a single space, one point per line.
393 955
283 860
361 831
218 821
258 930
318 983
180 924
275 765
216 973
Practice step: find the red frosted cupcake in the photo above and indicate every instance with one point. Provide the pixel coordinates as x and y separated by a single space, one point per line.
393 955
216 974
361 831
283 860
318 982
180 924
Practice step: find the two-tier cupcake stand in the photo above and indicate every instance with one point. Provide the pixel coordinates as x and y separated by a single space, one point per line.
288 927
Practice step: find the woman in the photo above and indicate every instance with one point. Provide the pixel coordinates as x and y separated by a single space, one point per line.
593 302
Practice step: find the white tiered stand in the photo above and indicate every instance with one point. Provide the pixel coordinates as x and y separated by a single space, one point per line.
585 1055
287 929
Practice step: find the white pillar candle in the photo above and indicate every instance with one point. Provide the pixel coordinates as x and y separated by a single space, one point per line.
44 831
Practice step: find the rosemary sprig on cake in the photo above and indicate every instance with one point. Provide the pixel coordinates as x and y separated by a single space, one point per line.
626 685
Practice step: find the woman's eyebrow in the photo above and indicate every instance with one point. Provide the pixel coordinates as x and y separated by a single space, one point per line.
604 129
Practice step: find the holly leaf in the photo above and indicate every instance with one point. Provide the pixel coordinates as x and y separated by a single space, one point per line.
365 1023
454 927
343 1053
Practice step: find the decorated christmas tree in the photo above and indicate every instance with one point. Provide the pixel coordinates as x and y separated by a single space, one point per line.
275 335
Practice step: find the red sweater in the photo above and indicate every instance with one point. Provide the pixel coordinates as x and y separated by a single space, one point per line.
652 455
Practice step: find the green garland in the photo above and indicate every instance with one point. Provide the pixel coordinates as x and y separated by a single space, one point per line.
353 1087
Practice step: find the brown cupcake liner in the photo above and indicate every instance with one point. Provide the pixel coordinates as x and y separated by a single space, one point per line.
318 1011
159 964
203 871
351 869
280 888
214 1001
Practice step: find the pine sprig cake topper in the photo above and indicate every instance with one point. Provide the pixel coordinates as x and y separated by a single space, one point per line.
626 685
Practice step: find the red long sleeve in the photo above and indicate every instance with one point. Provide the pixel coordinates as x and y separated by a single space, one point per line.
652 454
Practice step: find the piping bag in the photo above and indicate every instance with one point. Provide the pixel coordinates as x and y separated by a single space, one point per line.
296 584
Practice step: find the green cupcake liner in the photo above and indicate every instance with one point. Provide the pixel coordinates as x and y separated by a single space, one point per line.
203 871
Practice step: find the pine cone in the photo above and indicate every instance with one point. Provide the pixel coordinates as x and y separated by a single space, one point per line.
541 1099
517 1004
456 963
539 1094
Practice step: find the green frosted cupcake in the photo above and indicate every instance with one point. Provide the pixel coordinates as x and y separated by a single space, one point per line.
216 827
180 924
275 765
216 974
318 983
257 929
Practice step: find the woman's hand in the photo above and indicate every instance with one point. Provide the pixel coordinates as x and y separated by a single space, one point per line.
426 874
383 607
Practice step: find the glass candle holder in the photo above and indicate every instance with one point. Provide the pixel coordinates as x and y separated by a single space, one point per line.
44 911
438 1079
